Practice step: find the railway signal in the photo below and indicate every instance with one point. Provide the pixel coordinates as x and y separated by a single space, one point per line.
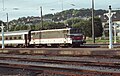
110 14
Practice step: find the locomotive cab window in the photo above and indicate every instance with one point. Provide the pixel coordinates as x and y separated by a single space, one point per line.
75 30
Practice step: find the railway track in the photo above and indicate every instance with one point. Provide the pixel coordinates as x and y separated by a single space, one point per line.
81 46
82 59
76 66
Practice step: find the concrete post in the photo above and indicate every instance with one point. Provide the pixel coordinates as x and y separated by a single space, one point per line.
2 27
110 29
110 14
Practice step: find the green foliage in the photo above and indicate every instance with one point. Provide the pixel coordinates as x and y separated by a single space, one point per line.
4 24
48 16
72 21
97 26
84 26
70 18
52 25
12 28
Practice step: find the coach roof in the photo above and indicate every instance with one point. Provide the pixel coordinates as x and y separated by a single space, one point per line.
15 32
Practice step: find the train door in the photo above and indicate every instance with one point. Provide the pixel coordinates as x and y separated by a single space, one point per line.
29 37
26 40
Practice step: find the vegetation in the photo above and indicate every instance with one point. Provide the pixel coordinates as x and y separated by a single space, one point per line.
83 25
1 22
69 18
86 26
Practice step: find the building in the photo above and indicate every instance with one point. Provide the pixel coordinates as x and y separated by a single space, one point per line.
115 22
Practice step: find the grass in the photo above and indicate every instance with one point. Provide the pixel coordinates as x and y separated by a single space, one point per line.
101 41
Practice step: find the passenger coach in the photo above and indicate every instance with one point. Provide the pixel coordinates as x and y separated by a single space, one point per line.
15 38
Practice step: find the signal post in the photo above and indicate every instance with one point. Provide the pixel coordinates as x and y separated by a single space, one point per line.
110 14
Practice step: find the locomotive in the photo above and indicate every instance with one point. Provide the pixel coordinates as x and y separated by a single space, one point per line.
53 37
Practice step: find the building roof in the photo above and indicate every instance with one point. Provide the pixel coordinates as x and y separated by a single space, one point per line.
115 17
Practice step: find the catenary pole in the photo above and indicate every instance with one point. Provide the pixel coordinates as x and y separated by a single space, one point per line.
93 29
7 23
3 5
41 18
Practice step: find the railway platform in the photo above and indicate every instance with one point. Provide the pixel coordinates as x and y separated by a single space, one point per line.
83 50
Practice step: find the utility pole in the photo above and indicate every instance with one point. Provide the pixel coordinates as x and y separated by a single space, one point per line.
40 34
110 14
62 5
41 18
3 5
7 23
73 14
2 27
93 29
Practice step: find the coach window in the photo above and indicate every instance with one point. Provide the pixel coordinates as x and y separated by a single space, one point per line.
15 37
10 38
6 38
0 38
19 38
33 33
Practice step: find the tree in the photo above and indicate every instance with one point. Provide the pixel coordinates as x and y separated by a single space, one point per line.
84 26
72 21
4 24
24 27
97 26
52 25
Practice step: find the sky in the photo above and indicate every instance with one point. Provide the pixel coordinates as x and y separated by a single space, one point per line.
24 8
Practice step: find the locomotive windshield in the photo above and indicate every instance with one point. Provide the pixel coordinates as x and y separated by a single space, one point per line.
75 31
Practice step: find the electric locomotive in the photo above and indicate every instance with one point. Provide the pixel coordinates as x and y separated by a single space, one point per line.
57 37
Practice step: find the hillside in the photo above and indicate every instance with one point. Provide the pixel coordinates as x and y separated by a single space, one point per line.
66 14
60 16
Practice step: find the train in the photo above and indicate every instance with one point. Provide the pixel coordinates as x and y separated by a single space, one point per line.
43 38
